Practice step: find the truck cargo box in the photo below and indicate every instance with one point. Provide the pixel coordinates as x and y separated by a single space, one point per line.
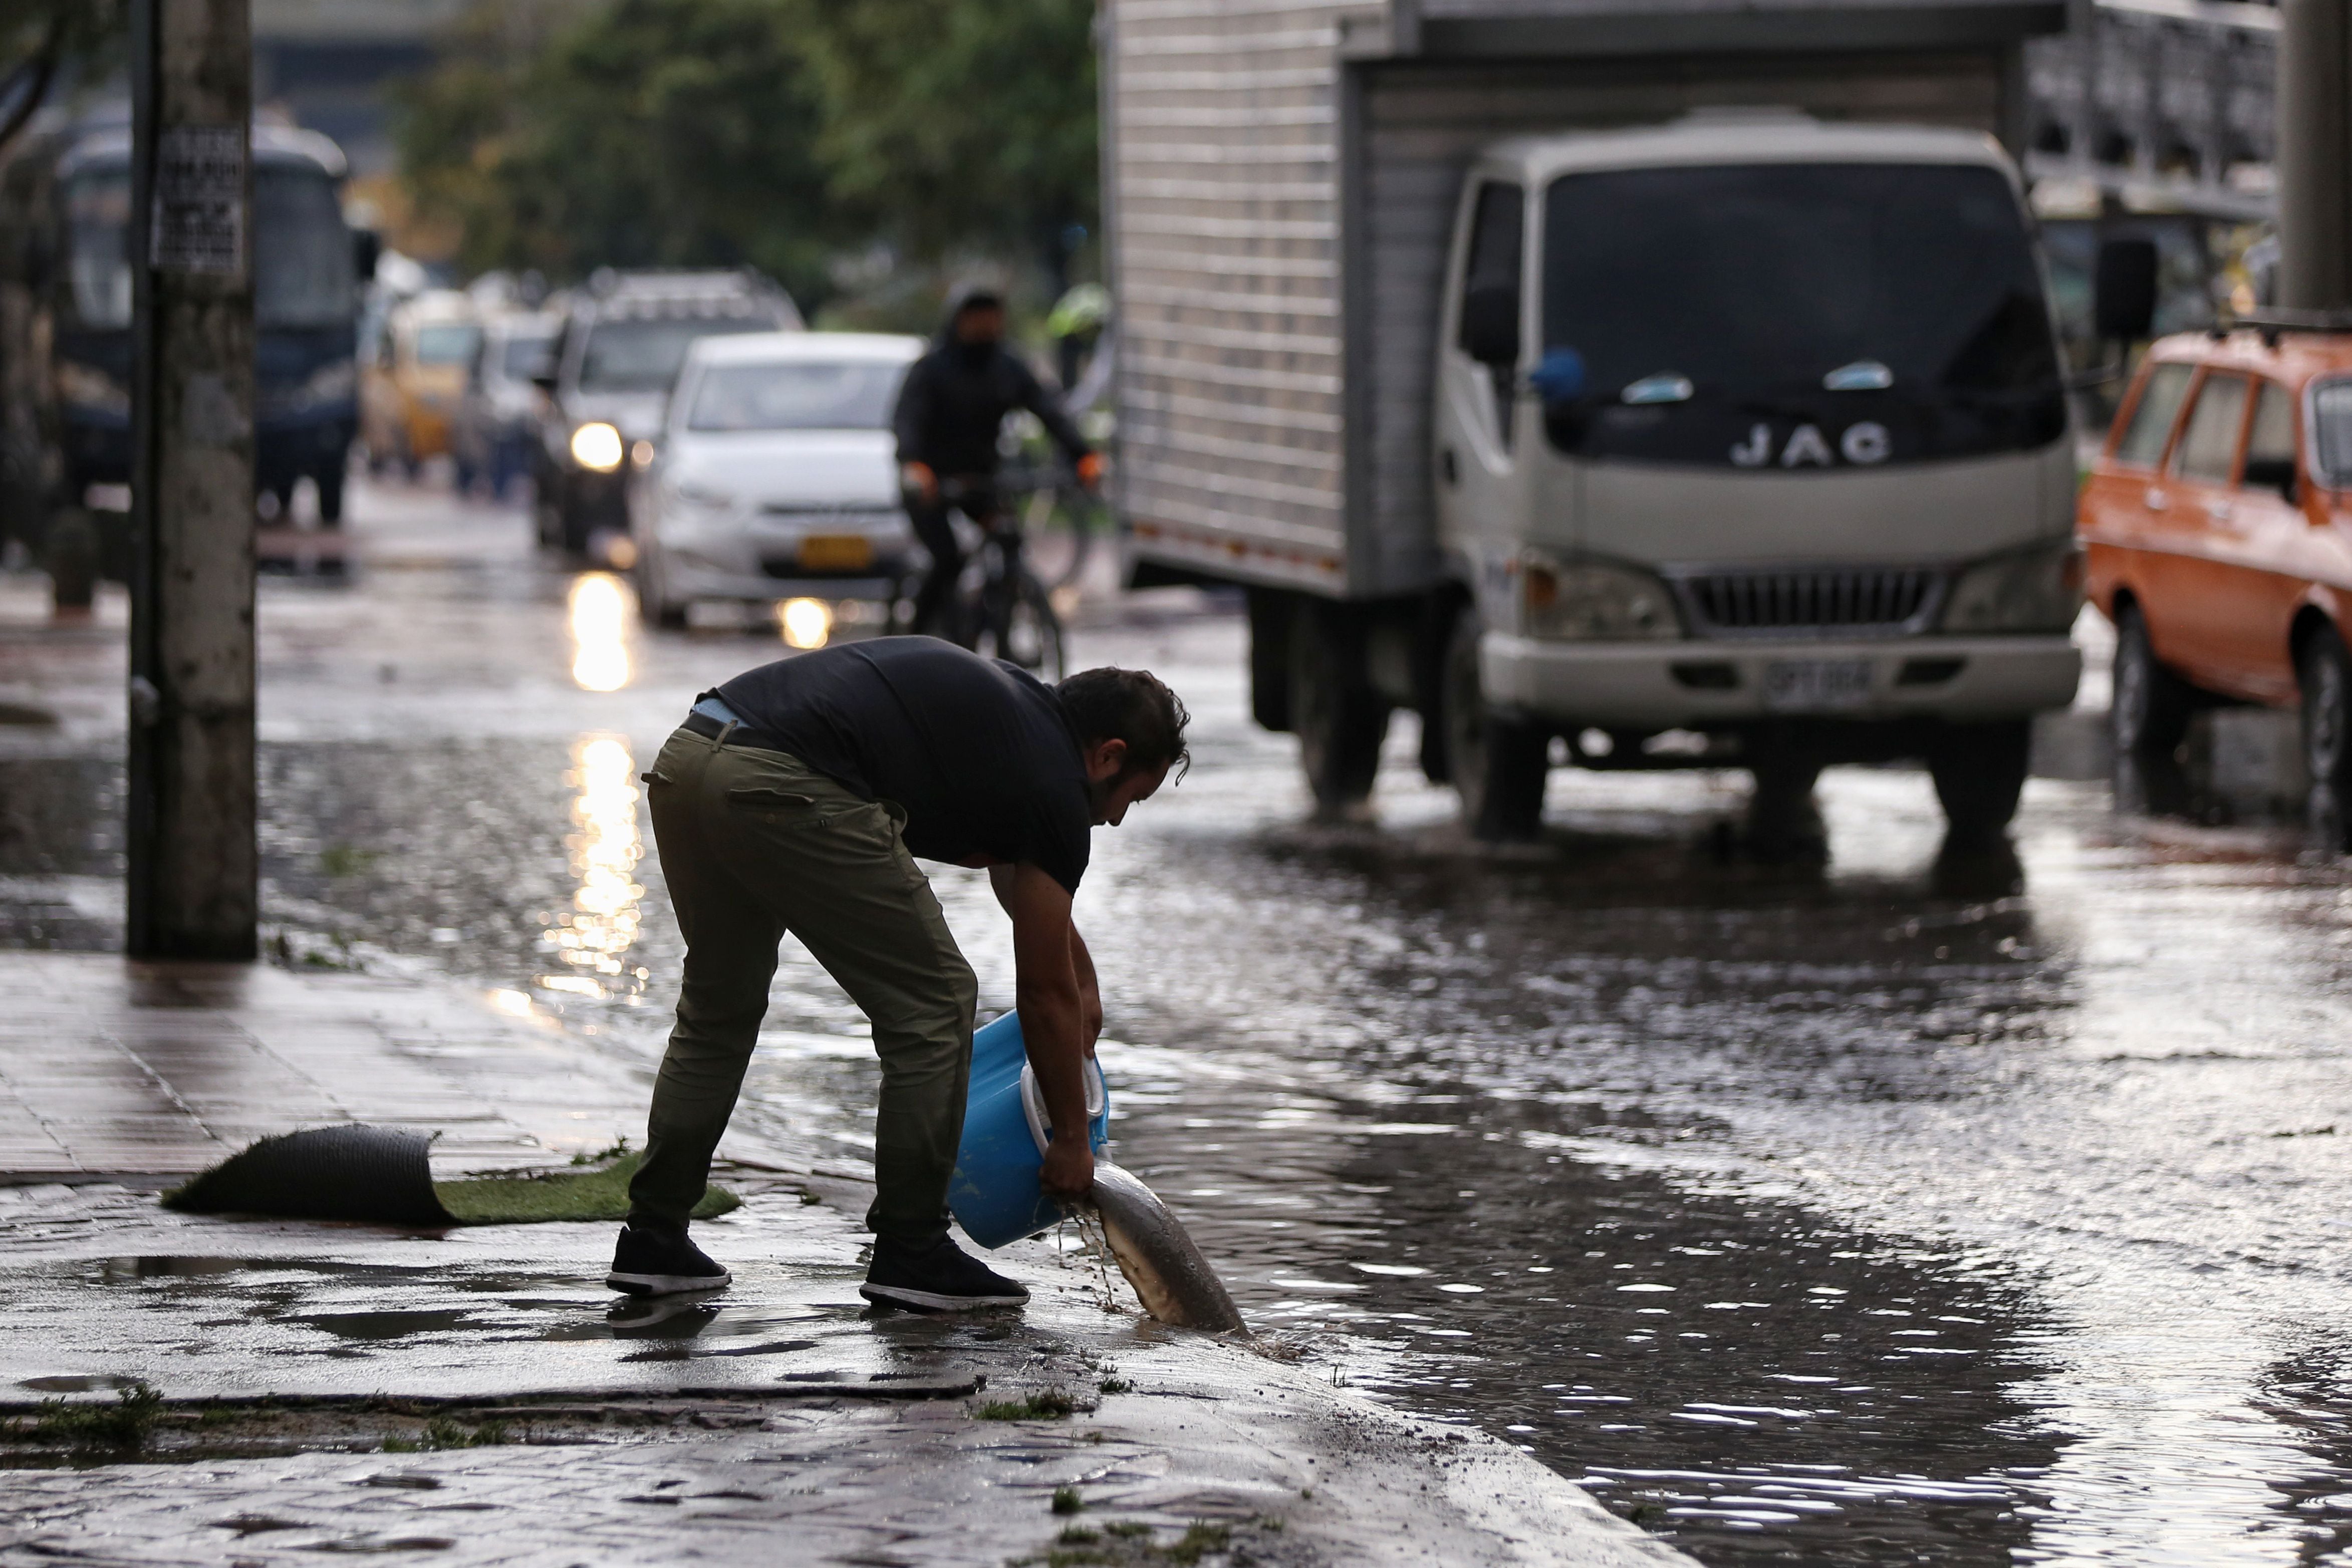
1280 182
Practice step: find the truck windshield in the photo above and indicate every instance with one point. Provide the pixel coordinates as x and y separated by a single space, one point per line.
808 396
302 272
643 356
1797 316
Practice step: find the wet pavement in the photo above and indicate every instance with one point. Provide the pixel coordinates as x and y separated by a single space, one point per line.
1967 1210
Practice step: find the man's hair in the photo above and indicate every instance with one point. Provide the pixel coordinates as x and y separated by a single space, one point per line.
1130 705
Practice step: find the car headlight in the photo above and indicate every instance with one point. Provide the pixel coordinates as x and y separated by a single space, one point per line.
87 387
2036 590
597 448
1591 603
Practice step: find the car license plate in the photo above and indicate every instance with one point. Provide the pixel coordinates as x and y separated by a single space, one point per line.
836 552
1816 685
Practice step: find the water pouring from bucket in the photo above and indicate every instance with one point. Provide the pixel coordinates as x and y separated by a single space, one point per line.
996 1197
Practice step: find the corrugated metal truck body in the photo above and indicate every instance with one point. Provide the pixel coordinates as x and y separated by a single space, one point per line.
1282 184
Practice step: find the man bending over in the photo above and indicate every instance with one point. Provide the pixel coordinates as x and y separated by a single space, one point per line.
795 798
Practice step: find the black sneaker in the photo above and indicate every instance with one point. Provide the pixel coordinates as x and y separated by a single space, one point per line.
940 1277
650 1262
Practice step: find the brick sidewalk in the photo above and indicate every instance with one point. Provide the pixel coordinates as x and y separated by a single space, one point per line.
113 1068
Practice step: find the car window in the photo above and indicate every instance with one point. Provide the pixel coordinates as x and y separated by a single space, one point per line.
450 343
2209 442
803 394
2152 415
2331 417
2270 439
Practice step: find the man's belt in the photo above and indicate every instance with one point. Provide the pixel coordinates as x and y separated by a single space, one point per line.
704 722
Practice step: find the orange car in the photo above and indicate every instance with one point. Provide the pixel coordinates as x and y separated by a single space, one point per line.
2217 528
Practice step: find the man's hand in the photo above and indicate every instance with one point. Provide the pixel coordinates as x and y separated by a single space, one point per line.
1069 1168
918 478
1090 470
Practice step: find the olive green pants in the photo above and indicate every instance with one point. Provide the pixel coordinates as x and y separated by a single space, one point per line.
754 844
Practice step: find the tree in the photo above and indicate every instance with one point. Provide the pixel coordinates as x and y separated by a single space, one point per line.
645 133
41 40
773 133
959 123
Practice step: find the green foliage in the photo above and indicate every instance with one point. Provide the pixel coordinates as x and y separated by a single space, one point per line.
584 1193
124 1424
644 133
774 133
1066 1499
1046 1405
442 1433
949 124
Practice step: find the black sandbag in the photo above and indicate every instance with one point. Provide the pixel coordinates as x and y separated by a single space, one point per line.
377 1174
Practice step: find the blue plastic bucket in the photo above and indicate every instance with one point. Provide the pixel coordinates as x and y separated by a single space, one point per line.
995 1194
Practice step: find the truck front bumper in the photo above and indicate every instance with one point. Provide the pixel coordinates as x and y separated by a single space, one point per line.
1698 685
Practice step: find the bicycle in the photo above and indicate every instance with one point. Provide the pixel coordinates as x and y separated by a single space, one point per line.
1001 608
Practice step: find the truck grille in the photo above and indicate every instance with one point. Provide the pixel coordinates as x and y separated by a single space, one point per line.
1766 604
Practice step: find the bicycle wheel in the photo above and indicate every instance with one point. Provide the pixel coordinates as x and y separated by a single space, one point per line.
1079 511
1021 627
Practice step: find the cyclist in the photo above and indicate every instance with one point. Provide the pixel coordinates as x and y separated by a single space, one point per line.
950 407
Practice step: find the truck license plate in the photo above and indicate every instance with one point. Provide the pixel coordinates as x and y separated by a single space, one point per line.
1816 685
836 552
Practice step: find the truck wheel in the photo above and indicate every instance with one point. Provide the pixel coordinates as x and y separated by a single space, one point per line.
1340 720
2149 712
2326 674
1980 770
1498 765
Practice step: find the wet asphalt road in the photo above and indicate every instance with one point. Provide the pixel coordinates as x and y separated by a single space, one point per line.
1964 1211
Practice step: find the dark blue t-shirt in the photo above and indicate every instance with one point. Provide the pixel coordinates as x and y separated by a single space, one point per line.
976 752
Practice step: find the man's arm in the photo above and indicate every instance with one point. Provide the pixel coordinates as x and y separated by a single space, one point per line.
1047 406
1053 1016
1090 1006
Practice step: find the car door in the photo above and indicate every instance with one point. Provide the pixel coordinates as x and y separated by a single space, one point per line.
2123 506
2256 540
2189 610
1475 464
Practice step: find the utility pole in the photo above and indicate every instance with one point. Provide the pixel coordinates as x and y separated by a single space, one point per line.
2315 155
193 857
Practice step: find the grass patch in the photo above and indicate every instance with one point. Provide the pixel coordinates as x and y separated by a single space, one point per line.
1129 1545
545 1196
348 860
1046 1405
85 1423
441 1433
1115 1385
1066 1499
1198 1541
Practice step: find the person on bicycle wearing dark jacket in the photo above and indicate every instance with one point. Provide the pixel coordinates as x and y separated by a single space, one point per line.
951 406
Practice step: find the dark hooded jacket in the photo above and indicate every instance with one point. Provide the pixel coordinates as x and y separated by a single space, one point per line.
954 401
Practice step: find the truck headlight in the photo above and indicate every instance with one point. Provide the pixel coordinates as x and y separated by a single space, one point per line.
1591 603
597 448
81 386
2036 590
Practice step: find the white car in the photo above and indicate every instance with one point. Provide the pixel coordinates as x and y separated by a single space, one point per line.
776 477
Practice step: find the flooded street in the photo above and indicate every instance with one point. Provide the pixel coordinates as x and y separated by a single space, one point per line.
1913 1208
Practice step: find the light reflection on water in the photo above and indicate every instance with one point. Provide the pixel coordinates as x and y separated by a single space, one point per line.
594 937
599 618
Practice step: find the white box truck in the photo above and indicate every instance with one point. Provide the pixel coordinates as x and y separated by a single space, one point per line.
1655 386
